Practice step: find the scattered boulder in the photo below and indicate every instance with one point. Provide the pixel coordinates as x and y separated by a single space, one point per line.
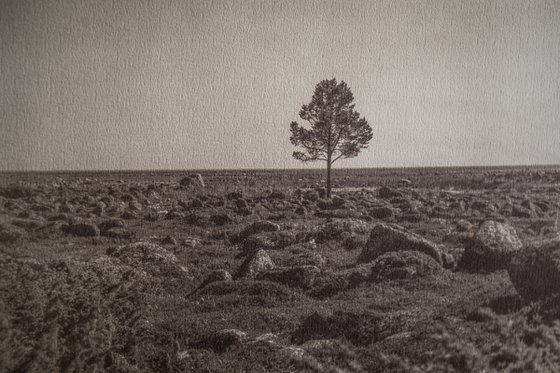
107 200
169 240
403 264
217 275
321 191
291 353
333 229
491 248
174 214
277 194
191 242
353 241
234 195
401 203
99 209
59 217
134 206
535 270
261 211
463 225
405 182
241 204
129 215
197 203
224 340
127 197
221 219
333 203
29 224
84 229
111 223
382 212
412 217
257 227
482 206
194 180
117 232
151 216
259 261
67 207
311 195
523 212
300 210
449 261
385 238
149 257
386 192
214 276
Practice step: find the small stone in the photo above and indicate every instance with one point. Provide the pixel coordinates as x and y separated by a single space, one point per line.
259 261
169 240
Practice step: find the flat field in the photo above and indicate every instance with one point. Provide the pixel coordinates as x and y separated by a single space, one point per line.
257 271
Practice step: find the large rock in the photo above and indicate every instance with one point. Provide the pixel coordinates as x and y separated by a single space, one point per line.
194 180
311 195
535 270
255 228
381 212
334 228
277 194
84 229
333 203
258 262
149 257
491 248
221 219
386 192
118 232
29 224
224 340
109 223
403 264
385 238
214 276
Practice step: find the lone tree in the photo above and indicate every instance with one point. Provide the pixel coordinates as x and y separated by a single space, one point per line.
337 131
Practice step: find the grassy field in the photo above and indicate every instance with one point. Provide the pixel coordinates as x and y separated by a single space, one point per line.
255 271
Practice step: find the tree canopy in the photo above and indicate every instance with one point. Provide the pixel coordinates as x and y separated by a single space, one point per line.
336 130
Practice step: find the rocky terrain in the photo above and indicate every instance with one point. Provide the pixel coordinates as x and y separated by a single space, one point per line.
418 270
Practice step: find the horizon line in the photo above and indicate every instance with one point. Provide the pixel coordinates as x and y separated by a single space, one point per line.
547 165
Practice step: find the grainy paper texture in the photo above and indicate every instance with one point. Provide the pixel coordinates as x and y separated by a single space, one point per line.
214 84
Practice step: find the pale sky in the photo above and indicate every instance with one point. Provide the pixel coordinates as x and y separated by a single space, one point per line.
162 84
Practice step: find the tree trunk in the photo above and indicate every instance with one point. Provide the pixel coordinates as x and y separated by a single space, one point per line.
329 177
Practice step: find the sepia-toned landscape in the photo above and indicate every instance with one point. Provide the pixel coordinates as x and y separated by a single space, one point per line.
266 186
427 270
